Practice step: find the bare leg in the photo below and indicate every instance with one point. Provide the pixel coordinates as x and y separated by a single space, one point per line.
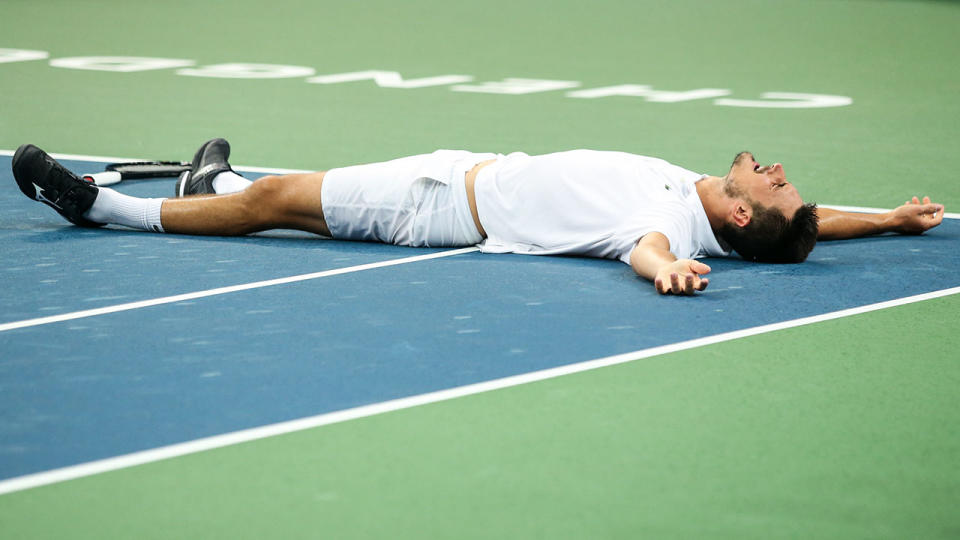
272 202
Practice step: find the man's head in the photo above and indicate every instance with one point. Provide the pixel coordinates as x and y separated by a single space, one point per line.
768 221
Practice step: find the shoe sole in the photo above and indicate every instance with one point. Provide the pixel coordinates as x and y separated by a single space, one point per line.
23 177
182 183
180 189
22 164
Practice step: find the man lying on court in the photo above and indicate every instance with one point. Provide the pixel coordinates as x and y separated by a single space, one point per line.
648 213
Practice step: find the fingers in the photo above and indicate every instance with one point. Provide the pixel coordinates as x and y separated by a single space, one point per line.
917 217
684 285
931 208
663 287
699 267
681 277
935 212
675 282
930 214
672 286
687 284
916 200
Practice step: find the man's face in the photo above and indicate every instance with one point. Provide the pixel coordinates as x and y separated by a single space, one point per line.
766 185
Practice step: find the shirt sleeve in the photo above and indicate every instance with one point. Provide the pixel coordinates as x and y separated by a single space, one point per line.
671 219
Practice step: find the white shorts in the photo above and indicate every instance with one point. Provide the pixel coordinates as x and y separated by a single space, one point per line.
413 201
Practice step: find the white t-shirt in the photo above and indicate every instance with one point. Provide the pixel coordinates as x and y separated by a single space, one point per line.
592 203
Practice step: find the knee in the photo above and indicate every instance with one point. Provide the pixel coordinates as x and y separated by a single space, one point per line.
265 186
276 199
263 199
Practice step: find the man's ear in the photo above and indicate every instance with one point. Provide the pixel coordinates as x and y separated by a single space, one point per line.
742 214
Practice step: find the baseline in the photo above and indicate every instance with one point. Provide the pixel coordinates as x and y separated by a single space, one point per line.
228 439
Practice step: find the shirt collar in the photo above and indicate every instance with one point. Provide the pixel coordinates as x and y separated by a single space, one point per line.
707 243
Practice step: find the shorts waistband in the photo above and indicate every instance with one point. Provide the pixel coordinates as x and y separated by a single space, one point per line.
480 186
491 169
458 181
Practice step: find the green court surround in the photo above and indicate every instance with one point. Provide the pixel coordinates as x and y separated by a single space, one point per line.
844 429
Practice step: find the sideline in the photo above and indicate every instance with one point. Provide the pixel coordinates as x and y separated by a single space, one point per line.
227 439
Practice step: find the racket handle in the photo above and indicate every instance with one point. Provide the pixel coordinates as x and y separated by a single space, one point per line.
103 179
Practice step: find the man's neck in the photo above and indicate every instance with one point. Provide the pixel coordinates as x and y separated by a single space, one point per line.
714 200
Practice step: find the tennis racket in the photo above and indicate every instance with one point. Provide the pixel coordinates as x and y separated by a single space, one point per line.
114 173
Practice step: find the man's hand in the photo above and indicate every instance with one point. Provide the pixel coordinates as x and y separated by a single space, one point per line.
916 216
682 277
652 259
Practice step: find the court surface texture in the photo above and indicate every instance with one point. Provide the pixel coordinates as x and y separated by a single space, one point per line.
285 385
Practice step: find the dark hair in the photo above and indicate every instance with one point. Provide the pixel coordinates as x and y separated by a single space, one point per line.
771 237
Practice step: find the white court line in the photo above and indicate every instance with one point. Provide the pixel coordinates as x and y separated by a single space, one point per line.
212 292
867 210
114 159
227 439
225 290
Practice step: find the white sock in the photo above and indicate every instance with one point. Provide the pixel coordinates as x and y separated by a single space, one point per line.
229 182
114 207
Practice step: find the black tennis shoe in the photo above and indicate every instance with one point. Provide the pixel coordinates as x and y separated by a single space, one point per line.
42 179
209 161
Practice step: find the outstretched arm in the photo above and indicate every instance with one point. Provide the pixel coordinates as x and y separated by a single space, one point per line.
652 259
913 217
